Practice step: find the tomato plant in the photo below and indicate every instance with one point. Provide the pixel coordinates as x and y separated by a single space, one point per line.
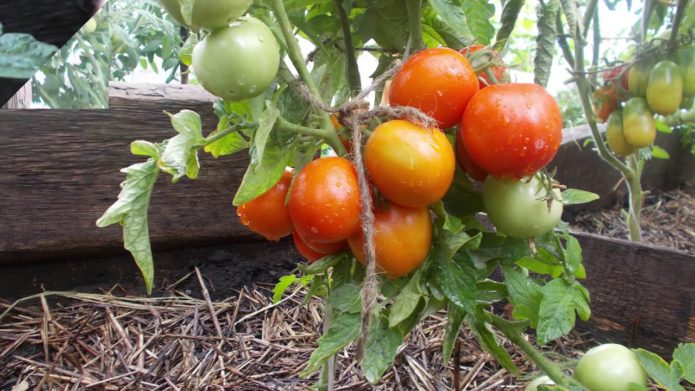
512 130
324 201
267 214
686 61
615 137
208 13
402 236
222 71
520 208
638 77
438 81
638 123
610 367
605 101
408 164
665 88
499 72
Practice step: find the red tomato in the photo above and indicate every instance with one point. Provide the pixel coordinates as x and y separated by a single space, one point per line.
483 78
308 253
327 248
616 75
512 130
605 101
438 81
402 239
465 161
324 201
267 214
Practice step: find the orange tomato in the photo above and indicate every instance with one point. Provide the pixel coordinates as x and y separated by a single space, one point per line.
268 214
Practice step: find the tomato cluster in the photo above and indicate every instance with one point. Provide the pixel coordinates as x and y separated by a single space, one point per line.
631 96
239 57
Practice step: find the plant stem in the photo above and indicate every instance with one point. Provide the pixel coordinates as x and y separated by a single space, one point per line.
295 55
323 134
554 371
636 197
680 118
221 134
327 375
353 71
672 44
591 9
413 7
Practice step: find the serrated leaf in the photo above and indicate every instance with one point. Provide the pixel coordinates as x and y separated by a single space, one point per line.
659 153
469 18
380 349
407 300
227 145
556 315
685 354
344 329
457 281
575 197
130 210
346 298
281 287
489 342
266 121
177 159
259 178
21 55
658 369
454 319
510 13
545 41
145 148
525 294
384 22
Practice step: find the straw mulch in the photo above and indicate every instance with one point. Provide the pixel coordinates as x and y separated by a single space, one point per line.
668 219
80 341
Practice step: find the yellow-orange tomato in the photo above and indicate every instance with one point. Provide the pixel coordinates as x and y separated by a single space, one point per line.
438 81
402 239
267 214
410 165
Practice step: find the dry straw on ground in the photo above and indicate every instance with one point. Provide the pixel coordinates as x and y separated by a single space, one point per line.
111 341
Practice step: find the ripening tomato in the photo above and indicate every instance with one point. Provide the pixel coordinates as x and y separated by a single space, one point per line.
209 14
605 100
402 239
686 61
638 77
324 201
512 130
616 75
499 72
239 61
517 208
638 123
665 88
465 161
327 248
267 214
307 252
616 137
409 165
610 367
438 81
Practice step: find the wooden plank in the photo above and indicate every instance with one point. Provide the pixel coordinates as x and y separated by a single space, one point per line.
640 295
61 172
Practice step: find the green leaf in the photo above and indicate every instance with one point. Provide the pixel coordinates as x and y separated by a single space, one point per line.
186 51
636 387
145 148
556 316
541 267
545 41
659 153
662 127
384 21
186 7
469 18
573 254
575 197
658 370
130 210
266 121
525 294
462 199
346 298
407 300
227 145
322 265
180 156
282 285
685 354
21 55
259 178
489 342
344 329
450 223
454 319
381 348
457 280
510 13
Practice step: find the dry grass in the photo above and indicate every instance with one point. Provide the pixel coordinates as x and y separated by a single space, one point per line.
108 341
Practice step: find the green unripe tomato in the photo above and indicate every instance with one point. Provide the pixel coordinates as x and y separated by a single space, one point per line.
615 136
665 88
685 57
515 209
610 367
209 14
638 123
90 26
533 386
638 78
239 61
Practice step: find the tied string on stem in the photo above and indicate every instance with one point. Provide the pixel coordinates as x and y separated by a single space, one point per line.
352 115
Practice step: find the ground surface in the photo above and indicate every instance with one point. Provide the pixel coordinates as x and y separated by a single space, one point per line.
668 219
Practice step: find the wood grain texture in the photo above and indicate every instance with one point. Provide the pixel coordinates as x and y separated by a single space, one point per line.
61 172
640 295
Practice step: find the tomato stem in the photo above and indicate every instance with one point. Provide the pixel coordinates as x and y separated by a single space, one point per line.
353 71
328 136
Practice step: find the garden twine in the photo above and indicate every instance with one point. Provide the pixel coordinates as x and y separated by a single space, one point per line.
352 115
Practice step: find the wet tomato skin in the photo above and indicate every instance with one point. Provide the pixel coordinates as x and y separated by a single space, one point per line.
469 166
268 214
408 164
438 81
512 130
306 251
402 239
665 88
324 202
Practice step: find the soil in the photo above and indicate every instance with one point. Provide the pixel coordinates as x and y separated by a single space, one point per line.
668 220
